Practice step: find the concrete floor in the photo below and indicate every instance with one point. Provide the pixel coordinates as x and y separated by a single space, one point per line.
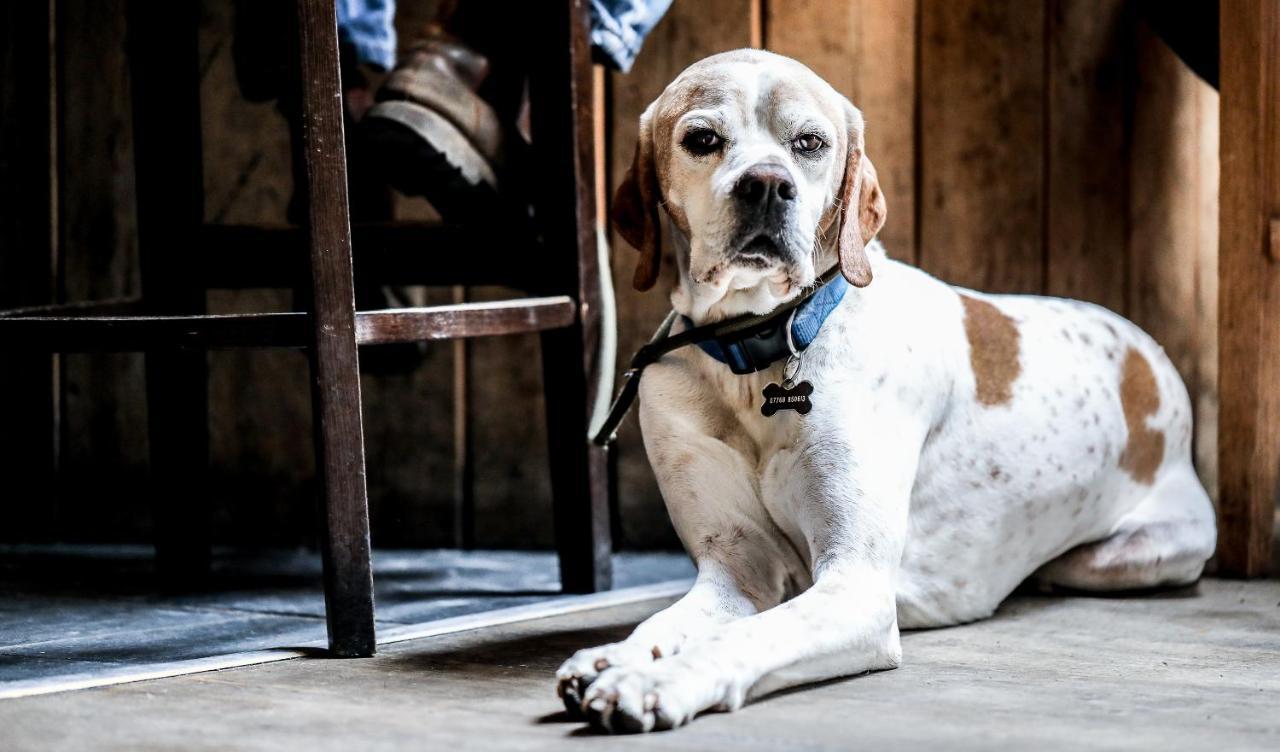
1196 669
71 614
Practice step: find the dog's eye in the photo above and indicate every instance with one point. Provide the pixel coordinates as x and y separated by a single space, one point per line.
808 143
702 141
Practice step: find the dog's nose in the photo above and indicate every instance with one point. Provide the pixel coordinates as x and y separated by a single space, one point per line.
763 184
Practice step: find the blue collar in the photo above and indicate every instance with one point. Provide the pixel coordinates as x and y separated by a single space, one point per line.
759 347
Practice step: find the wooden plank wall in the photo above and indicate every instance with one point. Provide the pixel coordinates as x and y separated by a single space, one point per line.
1250 279
1053 147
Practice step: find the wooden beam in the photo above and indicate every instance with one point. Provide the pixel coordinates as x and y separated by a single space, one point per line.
222 331
982 131
1249 285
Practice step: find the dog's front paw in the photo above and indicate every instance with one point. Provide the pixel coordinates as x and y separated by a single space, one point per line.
661 695
576 674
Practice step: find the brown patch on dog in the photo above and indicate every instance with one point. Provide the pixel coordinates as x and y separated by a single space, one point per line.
1140 398
993 350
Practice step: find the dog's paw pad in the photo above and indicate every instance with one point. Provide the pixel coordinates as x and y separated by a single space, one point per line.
577 674
636 700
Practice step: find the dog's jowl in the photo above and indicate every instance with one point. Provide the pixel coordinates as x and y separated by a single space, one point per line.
956 443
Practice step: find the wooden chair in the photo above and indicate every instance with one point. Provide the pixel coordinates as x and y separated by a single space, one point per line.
181 257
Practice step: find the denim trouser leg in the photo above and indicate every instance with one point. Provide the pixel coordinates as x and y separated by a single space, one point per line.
618 28
368 29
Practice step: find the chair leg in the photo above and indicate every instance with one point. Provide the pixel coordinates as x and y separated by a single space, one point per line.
335 375
561 87
164 72
579 469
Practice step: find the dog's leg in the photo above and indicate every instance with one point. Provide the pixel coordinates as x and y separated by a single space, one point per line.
853 497
714 599
1165 540
744 566
845 624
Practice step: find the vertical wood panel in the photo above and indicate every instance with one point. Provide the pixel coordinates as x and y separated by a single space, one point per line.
1204 394
689 32
1085 231
981 142
866 49
828 37
1172 220
1164 228
889 100
104 413
1249 285
1019 152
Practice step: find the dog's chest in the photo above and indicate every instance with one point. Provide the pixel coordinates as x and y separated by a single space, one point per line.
771 444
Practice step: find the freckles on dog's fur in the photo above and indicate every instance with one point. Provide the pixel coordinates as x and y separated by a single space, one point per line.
959 443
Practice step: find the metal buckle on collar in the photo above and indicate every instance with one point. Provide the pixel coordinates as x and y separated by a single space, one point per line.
758 348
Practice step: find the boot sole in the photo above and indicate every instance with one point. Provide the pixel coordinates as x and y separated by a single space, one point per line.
420 153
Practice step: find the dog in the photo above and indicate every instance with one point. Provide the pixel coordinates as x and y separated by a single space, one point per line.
958 443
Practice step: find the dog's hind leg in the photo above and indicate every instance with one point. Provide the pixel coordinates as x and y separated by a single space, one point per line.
1164 541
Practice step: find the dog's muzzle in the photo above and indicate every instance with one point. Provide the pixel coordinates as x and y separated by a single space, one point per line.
764 196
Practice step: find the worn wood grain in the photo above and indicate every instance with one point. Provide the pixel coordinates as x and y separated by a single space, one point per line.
982 88
1249 285
1204 392
137 333
1085 150
335 371
1164 201
866 49
1043 674
1172 217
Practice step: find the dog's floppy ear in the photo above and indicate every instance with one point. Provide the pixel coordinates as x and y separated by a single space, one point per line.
635 209
863 207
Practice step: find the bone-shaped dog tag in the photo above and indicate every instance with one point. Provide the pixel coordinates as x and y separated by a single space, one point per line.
778 397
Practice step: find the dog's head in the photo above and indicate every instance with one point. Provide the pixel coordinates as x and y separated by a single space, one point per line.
761 168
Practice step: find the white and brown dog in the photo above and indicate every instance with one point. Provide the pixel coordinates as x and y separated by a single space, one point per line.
958 442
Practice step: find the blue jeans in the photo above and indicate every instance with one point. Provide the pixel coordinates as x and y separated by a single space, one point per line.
368 29
618 28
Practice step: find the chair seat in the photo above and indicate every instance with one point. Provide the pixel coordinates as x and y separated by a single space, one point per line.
99 333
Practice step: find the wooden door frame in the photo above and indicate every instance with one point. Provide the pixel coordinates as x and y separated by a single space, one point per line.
1249 285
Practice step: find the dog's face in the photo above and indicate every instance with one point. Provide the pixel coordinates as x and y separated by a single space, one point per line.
760 166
